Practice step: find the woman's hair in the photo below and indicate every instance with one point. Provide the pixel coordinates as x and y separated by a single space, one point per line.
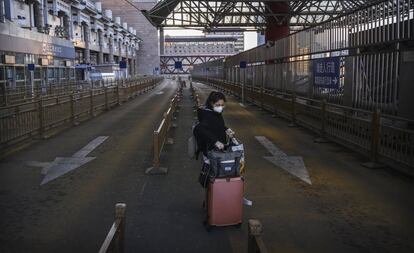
213 98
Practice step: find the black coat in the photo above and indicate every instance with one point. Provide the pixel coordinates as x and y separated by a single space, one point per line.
211 128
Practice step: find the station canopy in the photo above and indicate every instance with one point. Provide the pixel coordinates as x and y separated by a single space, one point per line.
251 15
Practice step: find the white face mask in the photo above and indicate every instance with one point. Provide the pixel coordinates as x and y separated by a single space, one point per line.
218 109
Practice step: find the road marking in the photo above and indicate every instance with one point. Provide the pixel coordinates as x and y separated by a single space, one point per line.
242 105
90 146
292 164
63 165
160 93
38 164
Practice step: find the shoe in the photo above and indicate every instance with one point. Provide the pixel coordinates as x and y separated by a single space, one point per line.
247 202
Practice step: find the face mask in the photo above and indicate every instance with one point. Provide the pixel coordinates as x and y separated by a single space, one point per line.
218 109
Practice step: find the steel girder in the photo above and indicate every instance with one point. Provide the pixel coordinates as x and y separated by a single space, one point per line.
209 14
167 62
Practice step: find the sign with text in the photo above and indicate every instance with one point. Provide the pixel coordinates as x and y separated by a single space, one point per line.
243 64
31 67
178 65
122 64
326 72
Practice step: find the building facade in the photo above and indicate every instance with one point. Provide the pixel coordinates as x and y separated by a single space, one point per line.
130 11
63 40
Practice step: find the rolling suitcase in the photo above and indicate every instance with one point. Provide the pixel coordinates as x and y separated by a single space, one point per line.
225 202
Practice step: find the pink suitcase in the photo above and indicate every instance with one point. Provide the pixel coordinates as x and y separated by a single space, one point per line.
225 202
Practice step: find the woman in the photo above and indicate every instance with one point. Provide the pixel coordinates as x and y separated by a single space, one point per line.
211 131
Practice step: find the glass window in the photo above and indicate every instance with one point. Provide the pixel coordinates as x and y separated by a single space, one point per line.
20 75
2 75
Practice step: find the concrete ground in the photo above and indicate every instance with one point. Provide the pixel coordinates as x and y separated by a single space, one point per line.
347 208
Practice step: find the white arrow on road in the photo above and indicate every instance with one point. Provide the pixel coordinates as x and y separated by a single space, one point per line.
292 164
62 165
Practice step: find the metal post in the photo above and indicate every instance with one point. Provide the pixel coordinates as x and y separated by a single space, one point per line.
118 99
255 230
375 139
106 98
120 209
72 109
243 84
91 110
41 117
321 138
293 116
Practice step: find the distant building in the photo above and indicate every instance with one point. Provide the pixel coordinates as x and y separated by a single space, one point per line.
148 55
65 40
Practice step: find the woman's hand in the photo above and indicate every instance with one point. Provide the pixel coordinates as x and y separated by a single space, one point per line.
219 145
230 133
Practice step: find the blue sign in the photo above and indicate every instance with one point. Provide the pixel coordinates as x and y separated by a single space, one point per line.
178 65
243 64
122 64
326 72
31 67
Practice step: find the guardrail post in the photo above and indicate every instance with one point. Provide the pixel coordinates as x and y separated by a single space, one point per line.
106 99
375 139
91 108
72 109
41 117
293 116
254 242
120 209
156 168
118 99
321 138
6 102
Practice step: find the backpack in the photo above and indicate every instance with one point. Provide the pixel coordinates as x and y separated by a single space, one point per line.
192 147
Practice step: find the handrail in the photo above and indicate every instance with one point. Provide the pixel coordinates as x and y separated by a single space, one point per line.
367 132
114 241
255 242
160 136
30 119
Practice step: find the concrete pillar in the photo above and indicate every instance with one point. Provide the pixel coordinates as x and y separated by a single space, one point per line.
162 41
276 30
39 16
111 50
120 49
101 47
67 23
87 52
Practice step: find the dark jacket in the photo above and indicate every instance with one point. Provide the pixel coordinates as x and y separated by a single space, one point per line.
211 128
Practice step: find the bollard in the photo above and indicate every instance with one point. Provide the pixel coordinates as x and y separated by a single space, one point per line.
375 139
254 241
120 209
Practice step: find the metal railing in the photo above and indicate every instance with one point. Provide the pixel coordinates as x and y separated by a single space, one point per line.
384 138
114 241
41 115
160 136
255 243
372 43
